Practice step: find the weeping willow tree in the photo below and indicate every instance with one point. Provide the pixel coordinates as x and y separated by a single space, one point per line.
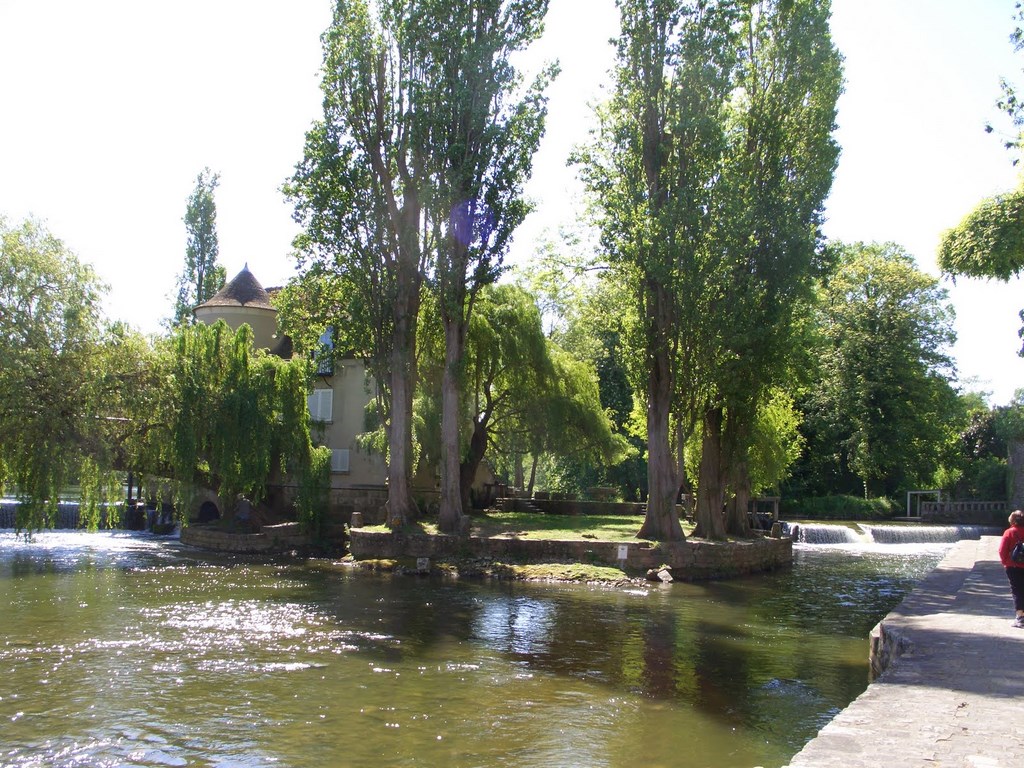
236 417
53 374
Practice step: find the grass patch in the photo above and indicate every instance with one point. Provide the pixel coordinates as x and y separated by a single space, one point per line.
536 527
567 572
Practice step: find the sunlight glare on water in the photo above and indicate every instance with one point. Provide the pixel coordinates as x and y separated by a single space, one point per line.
130 650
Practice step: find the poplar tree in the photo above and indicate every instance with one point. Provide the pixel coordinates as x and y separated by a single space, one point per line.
360 193
201 276
485 130
778 170
652 173
416 169
712 163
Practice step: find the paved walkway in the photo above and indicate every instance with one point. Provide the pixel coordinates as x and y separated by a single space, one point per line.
956 696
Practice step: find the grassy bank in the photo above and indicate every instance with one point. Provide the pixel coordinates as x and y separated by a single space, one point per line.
530 525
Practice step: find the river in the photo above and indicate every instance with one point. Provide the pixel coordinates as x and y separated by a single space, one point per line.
128 650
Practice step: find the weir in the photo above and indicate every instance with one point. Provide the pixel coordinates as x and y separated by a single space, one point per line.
826 533
67 514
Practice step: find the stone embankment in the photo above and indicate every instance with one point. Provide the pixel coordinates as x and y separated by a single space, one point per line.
689 560
949 689
271 538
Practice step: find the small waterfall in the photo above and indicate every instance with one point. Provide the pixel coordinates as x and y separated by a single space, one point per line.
819 533
67 515
924 534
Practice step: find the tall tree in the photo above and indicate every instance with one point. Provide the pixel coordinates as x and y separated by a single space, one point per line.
484 132
361 192
201 276
51 371
652 173
780 162
879 412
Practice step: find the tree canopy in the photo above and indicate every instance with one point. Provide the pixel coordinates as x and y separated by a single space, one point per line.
201 276
52 415
989 241
878 412
710 170
416 172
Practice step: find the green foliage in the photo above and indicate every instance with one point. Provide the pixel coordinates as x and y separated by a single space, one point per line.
776 443
989 242
360 194
1009 103
985 480
484 130
523 395
882 408
1009 419
314 490
52 412
235 415
201 276
100 491
838 508
713 160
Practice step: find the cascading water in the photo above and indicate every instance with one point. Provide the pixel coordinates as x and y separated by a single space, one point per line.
924 534
824 533
820 533
67 515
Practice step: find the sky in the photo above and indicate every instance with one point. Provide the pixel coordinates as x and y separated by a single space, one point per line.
109 109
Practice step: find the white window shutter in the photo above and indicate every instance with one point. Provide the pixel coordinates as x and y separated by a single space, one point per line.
321 404
339 459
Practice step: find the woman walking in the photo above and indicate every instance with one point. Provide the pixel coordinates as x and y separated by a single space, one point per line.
1014 570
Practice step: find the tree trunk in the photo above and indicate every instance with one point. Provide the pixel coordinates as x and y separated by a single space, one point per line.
533 476
662 521
710 488
450 516
1015 471
467 471
737 522
400 505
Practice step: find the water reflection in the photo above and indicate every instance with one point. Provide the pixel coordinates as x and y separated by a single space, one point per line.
129 650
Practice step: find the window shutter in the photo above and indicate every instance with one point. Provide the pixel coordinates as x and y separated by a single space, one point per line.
339 459
321 405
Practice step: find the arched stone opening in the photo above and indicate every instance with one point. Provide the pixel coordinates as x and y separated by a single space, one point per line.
208 512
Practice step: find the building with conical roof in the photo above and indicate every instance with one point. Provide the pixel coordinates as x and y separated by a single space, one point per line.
243 300
337 402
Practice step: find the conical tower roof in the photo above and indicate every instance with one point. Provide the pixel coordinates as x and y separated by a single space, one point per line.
243 290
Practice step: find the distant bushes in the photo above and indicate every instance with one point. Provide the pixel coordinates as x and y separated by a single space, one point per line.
838 508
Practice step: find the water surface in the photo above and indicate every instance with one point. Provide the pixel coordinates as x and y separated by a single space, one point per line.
129 650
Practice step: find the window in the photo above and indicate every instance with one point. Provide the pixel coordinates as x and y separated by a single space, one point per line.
321 405
324 356
339 459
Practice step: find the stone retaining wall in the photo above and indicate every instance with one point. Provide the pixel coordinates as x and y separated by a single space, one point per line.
964 512
690 560
271 538
370 500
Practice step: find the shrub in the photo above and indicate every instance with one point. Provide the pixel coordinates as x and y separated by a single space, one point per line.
838 508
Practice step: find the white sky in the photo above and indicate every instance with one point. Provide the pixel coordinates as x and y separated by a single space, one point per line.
110 108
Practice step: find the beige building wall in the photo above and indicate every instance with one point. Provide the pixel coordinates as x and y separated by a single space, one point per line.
263 321
339 401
